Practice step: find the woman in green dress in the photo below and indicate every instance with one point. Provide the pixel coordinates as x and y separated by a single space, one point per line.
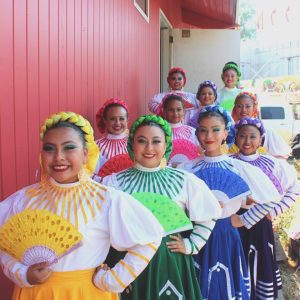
183 204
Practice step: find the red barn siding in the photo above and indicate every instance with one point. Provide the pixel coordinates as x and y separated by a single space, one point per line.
67 55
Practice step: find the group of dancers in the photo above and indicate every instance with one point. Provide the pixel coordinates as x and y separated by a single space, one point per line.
178 207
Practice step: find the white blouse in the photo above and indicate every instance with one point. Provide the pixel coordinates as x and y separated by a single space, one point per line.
103 216
261 188
283 176
188 192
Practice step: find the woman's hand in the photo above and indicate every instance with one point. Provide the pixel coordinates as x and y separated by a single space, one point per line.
38 273
269 217
103 267
236 221
250 201
177 245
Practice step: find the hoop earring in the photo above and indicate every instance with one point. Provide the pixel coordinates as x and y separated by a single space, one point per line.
163 163
83 175
224 147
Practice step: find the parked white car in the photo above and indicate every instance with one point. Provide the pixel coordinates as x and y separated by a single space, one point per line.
280 116
277 114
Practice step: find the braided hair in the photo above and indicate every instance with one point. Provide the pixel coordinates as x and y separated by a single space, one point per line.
82 126
150 120
234 66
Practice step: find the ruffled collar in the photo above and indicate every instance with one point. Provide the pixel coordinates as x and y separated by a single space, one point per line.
54 183
144 169
225 88
214 158
176 125
248 157
122 135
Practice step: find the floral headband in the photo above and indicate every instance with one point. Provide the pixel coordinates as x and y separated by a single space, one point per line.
207 83
100 114
255 104
252 122
177 70
228 121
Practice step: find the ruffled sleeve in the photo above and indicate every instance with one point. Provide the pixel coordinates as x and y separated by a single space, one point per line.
263 192
262 188
155 104
12 268
291 186
203 210
134 229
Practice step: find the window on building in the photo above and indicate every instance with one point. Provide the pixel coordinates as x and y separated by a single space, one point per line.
143 7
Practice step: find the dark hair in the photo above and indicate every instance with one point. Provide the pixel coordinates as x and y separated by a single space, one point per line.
64 124
170 98
113 105
209 114
202 86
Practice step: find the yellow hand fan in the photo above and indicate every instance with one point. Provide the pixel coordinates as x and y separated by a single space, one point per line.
35 236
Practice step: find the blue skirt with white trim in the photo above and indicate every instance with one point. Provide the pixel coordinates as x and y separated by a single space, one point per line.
221 267
259 248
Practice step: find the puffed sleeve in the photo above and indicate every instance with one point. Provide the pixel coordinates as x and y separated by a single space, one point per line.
203 210
262 188
276 145
134 229
263 192
111 181
291 187
12 268
155 104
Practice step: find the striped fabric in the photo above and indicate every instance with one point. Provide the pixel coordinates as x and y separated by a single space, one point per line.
111 147
167 182
183 132
274 169
256 213
14 270
200 235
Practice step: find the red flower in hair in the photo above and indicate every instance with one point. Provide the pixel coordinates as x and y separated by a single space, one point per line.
100 114
177 70
255 105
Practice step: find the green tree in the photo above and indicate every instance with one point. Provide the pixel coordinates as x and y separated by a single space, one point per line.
247 20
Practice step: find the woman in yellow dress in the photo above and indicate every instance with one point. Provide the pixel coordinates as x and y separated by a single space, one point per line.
102 215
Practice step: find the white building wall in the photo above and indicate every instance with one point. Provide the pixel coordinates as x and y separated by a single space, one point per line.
204 54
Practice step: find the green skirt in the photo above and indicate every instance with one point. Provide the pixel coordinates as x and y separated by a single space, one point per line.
169 276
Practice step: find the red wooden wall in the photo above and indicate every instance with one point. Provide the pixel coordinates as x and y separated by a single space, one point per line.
67 55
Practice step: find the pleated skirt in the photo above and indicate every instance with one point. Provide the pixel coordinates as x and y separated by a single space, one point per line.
169 276
259 248
221 266
74 285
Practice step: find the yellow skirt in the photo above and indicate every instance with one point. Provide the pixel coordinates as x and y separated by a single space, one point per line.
74 285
